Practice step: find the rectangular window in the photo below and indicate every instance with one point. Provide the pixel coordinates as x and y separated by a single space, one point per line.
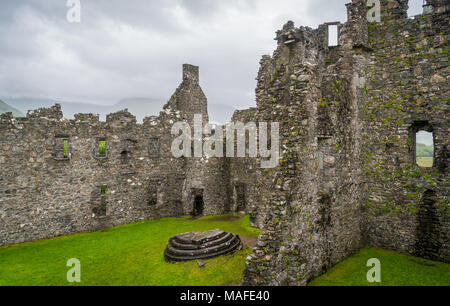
61 148
66 148
126 151
154 147
103 190
333 36
102 148
99 201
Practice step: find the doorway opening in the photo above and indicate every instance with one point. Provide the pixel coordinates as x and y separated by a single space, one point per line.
241 201
99 201
429 237
198 205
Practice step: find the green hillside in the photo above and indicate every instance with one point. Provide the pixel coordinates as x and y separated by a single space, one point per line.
423 150
5 108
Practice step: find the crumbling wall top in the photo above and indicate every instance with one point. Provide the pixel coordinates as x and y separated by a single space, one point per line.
290 34
190 73
245 115
438 6
396 9
356 10
53 112
87 118
123 116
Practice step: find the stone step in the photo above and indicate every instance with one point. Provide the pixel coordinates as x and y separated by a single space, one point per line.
182 246
191 246
199 238
172 250
174 258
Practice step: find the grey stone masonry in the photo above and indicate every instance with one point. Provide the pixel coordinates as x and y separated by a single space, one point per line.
348 175
348 114
62 176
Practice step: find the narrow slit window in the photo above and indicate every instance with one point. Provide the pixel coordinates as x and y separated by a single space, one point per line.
103 190
424 151
127 149
154 147
102 148
61 148
333 35
66 148
124 157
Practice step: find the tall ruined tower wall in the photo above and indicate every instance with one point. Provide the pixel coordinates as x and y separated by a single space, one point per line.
346 178
407 85
206 178
310 203
244 190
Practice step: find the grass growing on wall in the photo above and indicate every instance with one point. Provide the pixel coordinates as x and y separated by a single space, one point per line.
125 255
396 270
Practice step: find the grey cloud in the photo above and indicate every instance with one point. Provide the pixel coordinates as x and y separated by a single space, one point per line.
136 48
335 10
327 10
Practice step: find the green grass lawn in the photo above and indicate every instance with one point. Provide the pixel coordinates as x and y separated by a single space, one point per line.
396 270
125 255
133 255
425 161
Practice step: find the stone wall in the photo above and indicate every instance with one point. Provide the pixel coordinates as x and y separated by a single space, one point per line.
407 85
244 184
346 177
47 190
311 201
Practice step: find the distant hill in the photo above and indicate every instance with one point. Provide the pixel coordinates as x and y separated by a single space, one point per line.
5 108
26 104
140 107
423 150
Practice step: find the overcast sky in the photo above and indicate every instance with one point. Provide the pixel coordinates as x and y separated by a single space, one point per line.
424 137
135 48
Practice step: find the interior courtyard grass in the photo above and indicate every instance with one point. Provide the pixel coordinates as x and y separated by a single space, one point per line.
396 270
125 255
133 255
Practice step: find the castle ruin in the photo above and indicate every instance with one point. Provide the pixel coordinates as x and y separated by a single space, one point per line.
64 176
347 177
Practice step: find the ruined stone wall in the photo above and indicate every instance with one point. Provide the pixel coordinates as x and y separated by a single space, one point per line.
48 188
407 85
346 176
44 196
310 203
205 177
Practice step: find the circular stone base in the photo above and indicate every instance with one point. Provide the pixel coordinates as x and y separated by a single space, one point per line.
191 246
